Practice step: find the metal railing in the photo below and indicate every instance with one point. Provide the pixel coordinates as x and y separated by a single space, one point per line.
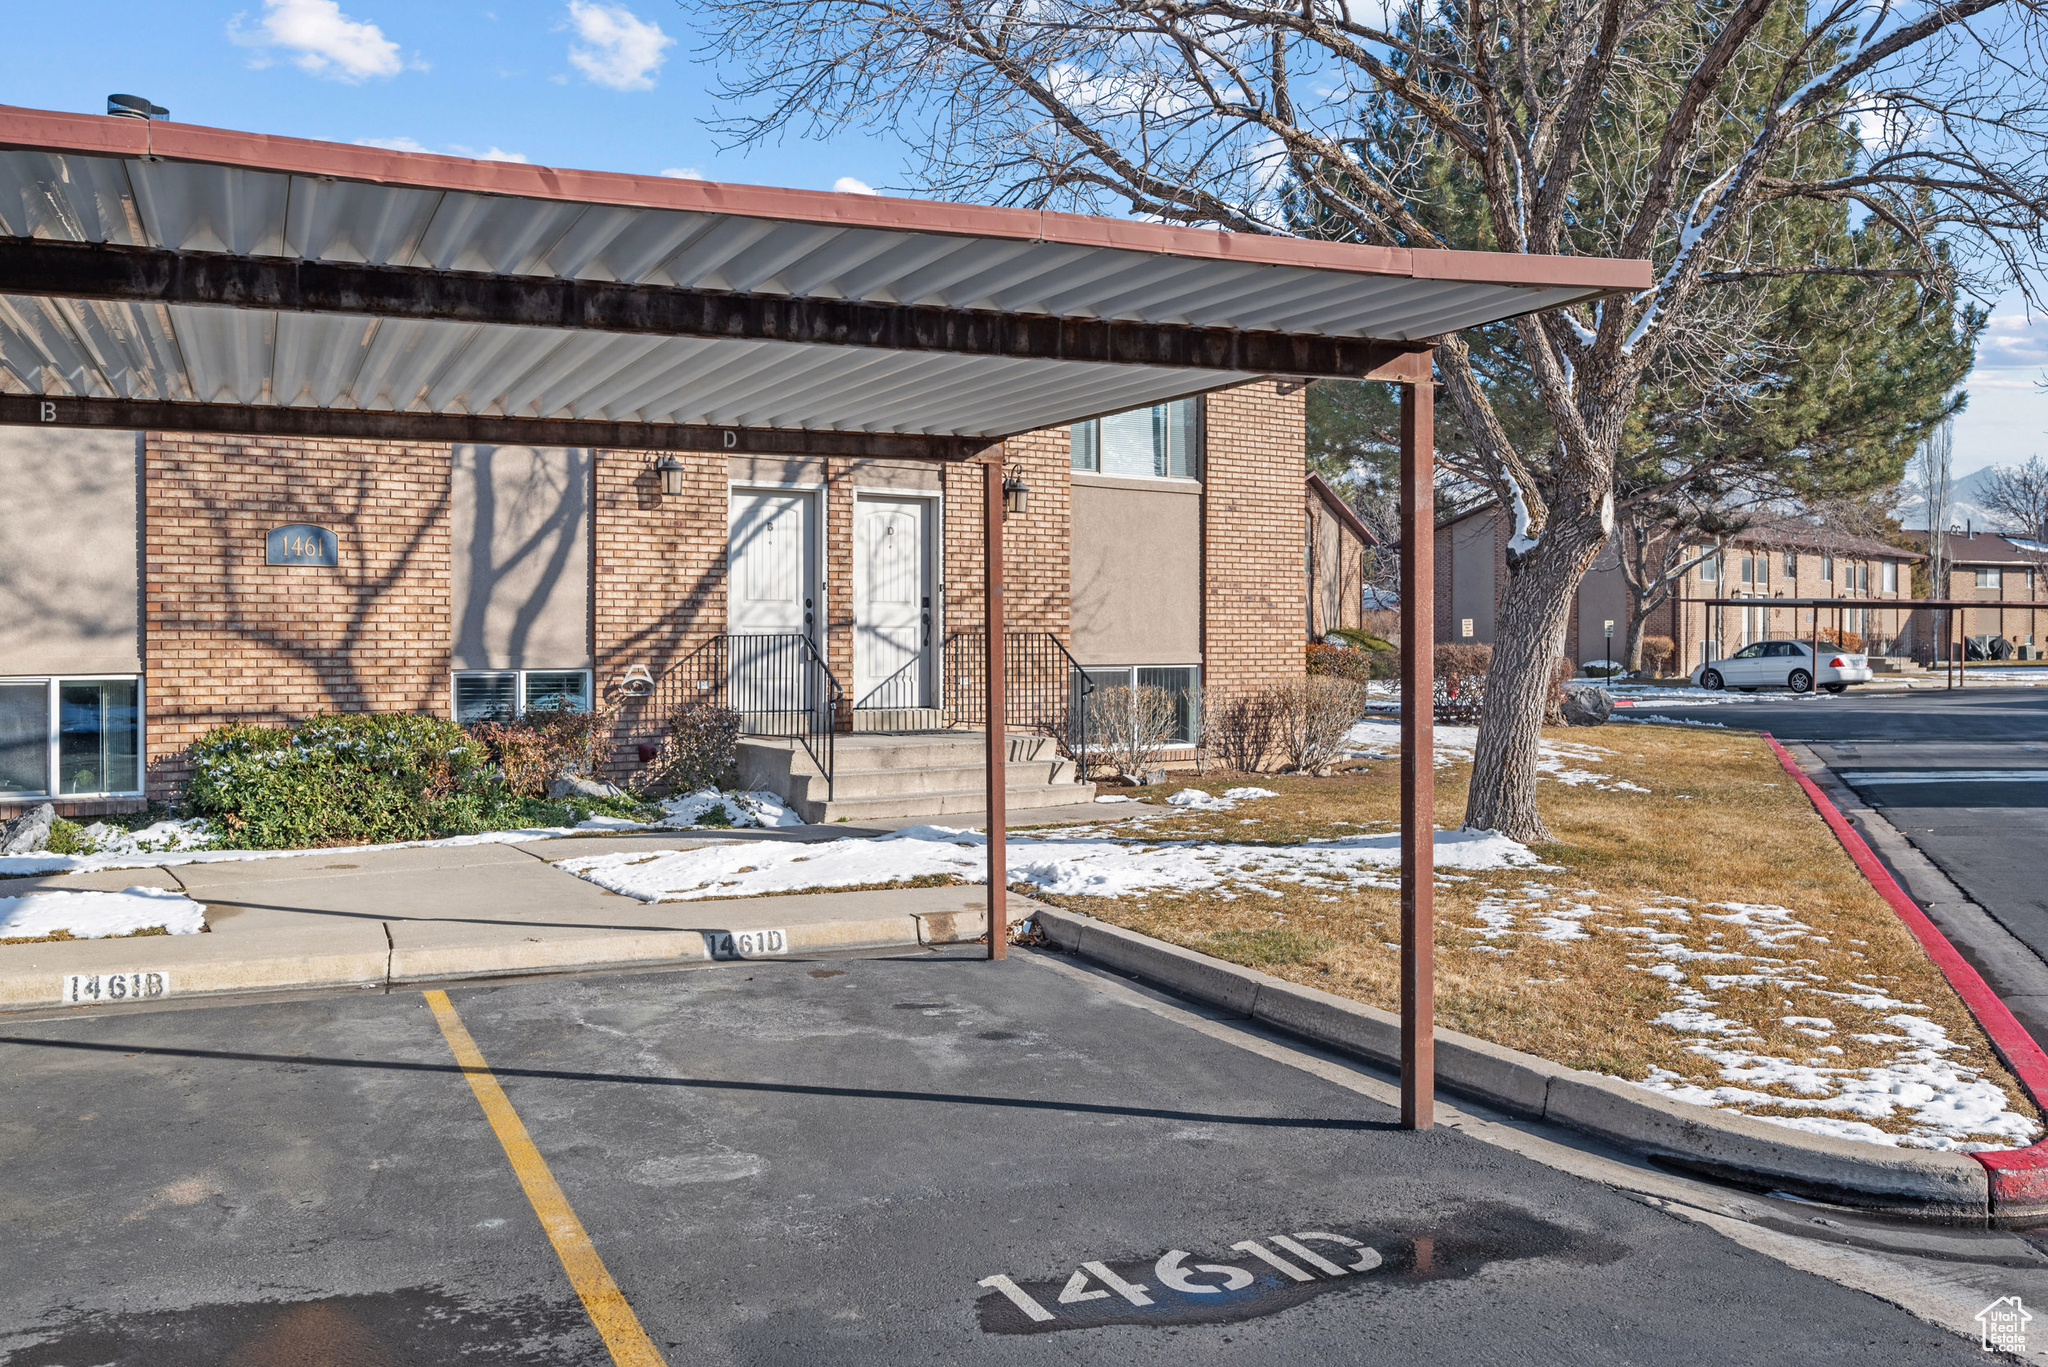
902 691
778 683
1044 688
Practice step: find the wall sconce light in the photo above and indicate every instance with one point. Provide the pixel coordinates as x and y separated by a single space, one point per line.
1016 494
671 471
636 682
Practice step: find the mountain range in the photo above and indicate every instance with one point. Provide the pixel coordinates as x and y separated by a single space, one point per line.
1968 507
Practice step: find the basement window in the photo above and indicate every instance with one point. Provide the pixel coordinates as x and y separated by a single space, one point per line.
1183 684
502 694
71 737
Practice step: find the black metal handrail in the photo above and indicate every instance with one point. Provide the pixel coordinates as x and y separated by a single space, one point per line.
898 692
1044 688
778 683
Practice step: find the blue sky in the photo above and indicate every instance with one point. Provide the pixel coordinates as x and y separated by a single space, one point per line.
584 83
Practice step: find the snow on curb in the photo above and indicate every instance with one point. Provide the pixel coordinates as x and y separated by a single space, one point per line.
96 915
1083 865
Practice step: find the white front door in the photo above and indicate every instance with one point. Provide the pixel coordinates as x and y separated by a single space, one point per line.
892 602
770 595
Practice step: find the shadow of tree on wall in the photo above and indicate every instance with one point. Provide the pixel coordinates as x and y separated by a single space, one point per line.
690 612
338 630
68 551
513 489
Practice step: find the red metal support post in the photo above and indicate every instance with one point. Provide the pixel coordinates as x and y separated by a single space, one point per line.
1418 767
993 709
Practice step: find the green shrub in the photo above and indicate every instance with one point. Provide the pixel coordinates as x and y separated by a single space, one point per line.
345 780
64 837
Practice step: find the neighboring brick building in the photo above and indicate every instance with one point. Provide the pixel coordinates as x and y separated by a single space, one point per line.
1158 547
1775 557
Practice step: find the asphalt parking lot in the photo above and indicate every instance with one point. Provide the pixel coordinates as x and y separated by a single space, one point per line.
910 1159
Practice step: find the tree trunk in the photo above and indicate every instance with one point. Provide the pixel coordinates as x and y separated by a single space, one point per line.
1638 619
1527 644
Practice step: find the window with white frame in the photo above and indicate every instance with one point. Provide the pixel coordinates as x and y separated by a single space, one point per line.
1889 576
1160 442
1990 577
502 694
71 737
1791 564
1710 570
1183 683
1827 568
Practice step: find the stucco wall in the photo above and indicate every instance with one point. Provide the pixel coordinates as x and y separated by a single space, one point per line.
519 527
1137 571
70 547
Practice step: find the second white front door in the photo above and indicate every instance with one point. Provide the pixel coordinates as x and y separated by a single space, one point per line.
892 602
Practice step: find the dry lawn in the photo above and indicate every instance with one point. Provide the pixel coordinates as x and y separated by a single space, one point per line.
1708 937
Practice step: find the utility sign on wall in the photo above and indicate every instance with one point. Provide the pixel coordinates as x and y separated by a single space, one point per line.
301 543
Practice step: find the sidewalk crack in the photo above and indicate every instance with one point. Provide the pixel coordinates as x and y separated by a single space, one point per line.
390 950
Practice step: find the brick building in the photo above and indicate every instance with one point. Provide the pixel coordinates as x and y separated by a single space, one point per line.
1774 557
142 608
537 432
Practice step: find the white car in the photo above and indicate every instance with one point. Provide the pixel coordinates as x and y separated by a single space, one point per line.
1783 664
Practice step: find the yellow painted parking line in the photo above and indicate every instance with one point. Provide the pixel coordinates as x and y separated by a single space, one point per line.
606 1304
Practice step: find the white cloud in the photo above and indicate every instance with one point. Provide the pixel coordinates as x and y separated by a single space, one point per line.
491 153
494 153
326 41
847 185
618 49
683 173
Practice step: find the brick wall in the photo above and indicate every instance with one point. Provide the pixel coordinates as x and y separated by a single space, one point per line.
659 569
1037 544
228 638
1252 532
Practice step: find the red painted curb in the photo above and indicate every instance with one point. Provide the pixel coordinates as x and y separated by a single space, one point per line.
2019 1177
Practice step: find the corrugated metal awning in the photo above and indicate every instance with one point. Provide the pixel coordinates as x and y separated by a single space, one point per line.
155 263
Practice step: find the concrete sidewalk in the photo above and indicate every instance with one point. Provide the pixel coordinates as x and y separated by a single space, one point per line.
412 915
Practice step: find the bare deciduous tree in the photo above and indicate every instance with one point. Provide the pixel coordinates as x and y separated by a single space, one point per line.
2019 493
1700 135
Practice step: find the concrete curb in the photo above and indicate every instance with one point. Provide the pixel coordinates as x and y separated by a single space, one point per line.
2018 1177
29 984
1913 1183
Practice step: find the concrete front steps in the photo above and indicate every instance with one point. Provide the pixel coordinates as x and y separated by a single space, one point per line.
878 776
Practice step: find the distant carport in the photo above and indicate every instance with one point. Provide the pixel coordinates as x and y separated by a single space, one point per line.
155 275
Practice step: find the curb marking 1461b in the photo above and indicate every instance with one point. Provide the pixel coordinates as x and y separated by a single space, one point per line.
84 989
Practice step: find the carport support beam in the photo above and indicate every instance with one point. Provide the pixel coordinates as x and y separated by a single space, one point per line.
993 709
1418 754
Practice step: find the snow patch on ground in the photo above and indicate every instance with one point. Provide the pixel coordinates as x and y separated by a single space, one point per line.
741 809
1085 864
1938 1102
1197 800
96 915
144 857
1372 738
169 843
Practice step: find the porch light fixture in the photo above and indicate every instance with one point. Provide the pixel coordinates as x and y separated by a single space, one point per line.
636 682
671 471
1016 494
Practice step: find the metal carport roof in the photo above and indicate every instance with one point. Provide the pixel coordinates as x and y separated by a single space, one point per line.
149 269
